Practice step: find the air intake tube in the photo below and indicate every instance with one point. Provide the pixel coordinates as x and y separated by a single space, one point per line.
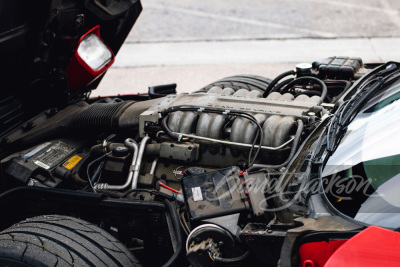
100 116
84 119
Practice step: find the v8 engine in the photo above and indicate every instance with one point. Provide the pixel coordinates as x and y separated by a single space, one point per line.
214 152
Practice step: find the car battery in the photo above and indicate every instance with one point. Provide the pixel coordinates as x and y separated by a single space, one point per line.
40 161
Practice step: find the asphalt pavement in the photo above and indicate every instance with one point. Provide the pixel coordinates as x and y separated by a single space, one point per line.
193 43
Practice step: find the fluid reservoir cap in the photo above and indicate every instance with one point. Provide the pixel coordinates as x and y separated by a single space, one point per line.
120 151
303 69
193 170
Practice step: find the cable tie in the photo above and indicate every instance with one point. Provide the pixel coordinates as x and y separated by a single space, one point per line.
134 168
104 146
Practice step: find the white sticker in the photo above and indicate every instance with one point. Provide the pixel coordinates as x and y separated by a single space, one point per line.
41 164
33 152
197 196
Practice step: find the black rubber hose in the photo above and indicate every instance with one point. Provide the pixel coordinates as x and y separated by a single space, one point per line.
178 234
78 180
300 127
232 260
270 87
346 84
250 117
91 178
282 84
324 89
165 128
114 194
341 85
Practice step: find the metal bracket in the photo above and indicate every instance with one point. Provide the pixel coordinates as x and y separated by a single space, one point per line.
145 117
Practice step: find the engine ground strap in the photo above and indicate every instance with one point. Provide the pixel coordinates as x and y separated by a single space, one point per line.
178 172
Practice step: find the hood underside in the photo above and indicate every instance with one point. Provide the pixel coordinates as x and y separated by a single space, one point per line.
37 40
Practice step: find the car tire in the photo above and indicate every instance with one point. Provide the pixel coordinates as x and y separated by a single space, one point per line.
249 82
56 240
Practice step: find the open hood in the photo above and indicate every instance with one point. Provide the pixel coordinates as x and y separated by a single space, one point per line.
39 41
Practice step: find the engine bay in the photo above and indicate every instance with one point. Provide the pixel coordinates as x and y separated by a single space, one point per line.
215 154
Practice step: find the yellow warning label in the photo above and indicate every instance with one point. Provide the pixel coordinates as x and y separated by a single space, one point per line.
69 164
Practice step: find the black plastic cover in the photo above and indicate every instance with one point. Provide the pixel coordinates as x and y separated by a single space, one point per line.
158 91
213 194
341 68
255 187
